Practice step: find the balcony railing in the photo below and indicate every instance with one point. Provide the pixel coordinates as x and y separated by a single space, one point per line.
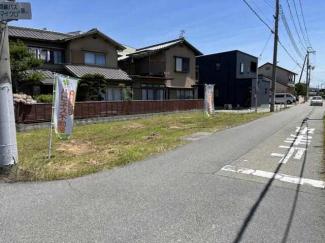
152 68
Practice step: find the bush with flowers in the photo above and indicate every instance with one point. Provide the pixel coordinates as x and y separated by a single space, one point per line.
23 99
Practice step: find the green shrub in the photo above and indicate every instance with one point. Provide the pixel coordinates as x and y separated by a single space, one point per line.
44 98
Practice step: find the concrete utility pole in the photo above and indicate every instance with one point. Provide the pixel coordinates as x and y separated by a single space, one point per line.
275 55
256 86
8 140
307 77
309 68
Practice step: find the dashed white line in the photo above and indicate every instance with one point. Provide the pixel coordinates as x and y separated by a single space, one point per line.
280 177
277 155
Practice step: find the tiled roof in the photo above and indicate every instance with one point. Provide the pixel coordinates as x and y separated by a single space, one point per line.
159 46
111 74
45 35
165 45
37 34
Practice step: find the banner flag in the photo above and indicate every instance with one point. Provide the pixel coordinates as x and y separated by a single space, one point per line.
64 103
209 99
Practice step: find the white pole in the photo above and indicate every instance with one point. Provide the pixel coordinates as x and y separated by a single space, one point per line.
51 127
8 139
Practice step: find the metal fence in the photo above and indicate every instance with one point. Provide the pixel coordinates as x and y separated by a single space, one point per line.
42 112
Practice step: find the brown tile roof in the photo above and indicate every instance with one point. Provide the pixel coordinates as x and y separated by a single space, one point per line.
36 34
110 74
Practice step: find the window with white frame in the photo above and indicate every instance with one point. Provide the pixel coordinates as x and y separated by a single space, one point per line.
95 59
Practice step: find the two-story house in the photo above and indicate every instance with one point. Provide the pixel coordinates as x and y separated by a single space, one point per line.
75 54
285 79
162 71
234 75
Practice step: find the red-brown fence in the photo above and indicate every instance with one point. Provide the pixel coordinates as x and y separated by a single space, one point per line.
42 112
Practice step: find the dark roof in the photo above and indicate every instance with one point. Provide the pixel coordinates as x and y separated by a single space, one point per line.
165 45
110 74
225 52
46 35
268 63
36 34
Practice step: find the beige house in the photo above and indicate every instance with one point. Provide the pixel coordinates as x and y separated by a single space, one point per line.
162 71
285 81
75 54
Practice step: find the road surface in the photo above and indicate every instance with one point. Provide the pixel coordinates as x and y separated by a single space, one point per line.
259 182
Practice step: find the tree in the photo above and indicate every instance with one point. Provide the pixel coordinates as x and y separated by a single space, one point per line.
91 86
301 89
22 63
126 92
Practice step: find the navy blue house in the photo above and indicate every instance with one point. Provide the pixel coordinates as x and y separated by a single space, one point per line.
234 76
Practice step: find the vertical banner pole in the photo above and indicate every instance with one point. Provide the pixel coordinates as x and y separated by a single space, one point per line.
51 127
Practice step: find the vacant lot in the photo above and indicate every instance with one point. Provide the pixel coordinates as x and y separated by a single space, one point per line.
99 147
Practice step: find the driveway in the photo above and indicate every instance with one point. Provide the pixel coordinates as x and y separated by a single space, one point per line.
259 182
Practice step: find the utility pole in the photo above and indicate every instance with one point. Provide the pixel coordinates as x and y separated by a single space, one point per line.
8 140
309 68
307 77
275 55
256 86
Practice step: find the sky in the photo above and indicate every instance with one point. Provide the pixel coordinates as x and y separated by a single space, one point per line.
212 26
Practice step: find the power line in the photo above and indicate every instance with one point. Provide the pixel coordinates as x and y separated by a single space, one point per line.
294 23
284 20
303 34
303 18
267 42
289 54
258 16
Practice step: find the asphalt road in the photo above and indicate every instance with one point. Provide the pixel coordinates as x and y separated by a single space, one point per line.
226 187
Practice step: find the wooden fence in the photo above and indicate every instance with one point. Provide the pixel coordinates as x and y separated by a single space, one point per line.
42 112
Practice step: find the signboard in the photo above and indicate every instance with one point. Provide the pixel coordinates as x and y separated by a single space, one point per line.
64 103
209 99
15 11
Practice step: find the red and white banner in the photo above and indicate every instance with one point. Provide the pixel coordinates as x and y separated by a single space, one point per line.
65 98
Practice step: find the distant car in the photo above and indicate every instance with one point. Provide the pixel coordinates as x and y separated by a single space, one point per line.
316 100
284 98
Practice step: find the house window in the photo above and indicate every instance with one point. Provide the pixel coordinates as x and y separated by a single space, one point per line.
218 66
197 73
182 64
47 55
112 94
184 94
253 67
153 91
95 59
267 68
242 67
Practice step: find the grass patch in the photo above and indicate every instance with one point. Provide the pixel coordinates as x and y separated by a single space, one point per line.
94 148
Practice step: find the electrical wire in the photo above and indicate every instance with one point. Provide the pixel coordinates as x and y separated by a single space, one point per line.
303 18
258 16
294 23
303 34
284 20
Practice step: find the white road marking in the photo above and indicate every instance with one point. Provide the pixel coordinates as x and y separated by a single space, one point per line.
277 155
305 130
286 147
280 177
299 140
285 159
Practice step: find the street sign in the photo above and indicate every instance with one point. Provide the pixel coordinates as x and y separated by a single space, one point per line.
15 11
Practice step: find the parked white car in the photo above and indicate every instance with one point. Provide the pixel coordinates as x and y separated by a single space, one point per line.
316 100
284 98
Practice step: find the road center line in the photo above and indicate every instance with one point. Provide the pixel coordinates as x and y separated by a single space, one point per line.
280 177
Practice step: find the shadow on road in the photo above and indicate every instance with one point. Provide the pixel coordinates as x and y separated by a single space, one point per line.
251 213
